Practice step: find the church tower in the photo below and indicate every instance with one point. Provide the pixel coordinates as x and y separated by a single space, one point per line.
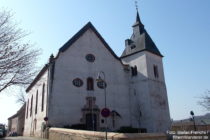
148 102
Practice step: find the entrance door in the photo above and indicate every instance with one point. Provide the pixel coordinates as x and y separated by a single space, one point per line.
91 121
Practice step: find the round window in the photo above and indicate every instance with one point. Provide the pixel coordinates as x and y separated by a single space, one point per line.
90 57
77 82
101 84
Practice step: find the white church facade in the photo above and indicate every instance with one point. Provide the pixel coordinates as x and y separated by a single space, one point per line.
66 93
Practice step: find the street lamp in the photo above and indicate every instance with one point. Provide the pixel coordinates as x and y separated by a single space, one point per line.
103 85
193 119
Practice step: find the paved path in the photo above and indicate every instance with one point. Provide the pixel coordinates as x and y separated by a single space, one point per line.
21 138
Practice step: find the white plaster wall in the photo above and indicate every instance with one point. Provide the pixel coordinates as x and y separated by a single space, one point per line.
138 59
67 100
14 124
158 94
139 90
148 93
159 106
152 60
29 121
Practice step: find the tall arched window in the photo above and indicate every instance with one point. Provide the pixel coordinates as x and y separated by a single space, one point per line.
43 91
90 84
27 109
36 102
31 109
35 123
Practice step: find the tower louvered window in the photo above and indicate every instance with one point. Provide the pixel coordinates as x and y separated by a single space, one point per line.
155 68
134 71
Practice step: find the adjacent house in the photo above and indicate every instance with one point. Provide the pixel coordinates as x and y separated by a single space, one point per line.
17 121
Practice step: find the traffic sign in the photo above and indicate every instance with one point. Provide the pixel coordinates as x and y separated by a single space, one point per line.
105 112
45 118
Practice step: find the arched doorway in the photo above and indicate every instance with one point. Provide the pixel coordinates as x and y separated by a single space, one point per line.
90 113
91 121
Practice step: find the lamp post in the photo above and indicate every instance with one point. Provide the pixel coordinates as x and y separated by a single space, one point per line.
103 82
193 119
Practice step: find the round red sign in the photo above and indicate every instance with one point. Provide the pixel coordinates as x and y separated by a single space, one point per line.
105 112
45 118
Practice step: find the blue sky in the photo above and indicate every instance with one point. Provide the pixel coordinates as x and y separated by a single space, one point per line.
180 29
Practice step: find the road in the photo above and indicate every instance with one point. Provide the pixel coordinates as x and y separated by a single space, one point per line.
21 138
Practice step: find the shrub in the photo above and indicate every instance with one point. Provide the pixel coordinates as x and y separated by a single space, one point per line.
78 126
128 129
75 126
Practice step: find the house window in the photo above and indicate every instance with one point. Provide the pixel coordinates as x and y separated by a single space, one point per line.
36 102
31 109
155 68
90 83
43 90
134 71
27 109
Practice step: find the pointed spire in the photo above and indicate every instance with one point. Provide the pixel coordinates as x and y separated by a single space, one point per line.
138 18
138 21
51 58
140 40
137 15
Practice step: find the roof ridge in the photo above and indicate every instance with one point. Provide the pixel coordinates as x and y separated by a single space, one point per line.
76 36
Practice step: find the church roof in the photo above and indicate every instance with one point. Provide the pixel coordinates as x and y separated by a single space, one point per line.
144 43
39 75
140 41
80 33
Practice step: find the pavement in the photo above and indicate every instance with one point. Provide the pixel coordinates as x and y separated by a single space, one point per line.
21 138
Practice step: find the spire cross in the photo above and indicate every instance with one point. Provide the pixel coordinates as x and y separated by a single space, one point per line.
136 5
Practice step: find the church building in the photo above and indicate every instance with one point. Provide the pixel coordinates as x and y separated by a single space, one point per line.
87 85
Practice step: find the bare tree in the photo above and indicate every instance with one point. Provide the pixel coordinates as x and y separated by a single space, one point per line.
17 58
20 96
205 100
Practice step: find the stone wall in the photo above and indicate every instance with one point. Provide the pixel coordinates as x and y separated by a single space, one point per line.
70 134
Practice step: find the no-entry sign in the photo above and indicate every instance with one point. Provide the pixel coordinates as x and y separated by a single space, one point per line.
105 112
